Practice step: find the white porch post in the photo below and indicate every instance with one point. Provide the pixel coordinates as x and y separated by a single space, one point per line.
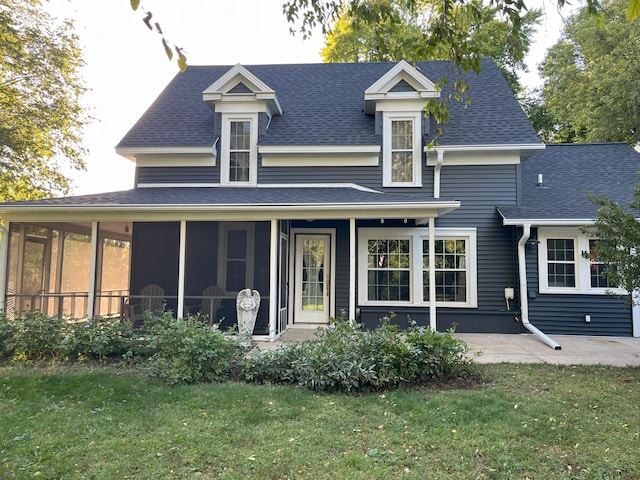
352 269
93 269
635 313
181 268
273 279
4 254
432 273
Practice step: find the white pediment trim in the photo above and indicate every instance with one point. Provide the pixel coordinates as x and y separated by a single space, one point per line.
220 90
382 89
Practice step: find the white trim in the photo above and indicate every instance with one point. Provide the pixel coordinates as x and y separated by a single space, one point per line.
473 158
227 120
321 161
388 119
355 186
321 149
223 229
353 267
433 304
635 314
516 147
4 256
415 237
178 185
177 160
581 264
93 268
274 302
182 261
547 222
131 153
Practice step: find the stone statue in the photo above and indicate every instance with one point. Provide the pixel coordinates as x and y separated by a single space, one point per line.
247 305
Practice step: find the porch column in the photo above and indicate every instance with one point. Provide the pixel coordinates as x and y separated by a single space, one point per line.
273 279
4 254
93 270
432 273
182 257
352 269
635 313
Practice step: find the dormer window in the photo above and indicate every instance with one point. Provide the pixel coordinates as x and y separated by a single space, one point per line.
239 163
402 150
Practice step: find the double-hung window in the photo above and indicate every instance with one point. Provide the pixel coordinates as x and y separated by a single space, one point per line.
568 263
394 267
239 150
402 150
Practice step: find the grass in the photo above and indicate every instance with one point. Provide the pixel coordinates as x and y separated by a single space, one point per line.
516 422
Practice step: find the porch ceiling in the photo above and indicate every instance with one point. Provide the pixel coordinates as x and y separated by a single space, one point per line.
229 203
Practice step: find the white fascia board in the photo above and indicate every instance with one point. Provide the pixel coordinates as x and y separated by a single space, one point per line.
354 186
252 212
130 153
487 148
319 149
548 222
401 71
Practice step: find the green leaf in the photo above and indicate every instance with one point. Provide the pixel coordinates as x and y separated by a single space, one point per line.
135 4
167 49
633 10
182 60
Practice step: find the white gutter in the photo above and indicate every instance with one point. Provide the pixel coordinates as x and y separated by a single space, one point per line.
4 250
524 302
436 174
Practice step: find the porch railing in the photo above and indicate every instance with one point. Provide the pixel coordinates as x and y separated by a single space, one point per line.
68 304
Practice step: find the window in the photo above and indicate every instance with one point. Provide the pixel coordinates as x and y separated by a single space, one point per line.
596 268
388 270
561 262
567 263
402 150
451 269
235 267
239 151
394 267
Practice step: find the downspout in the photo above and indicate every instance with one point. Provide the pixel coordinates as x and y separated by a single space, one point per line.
524 302
4 251
436 174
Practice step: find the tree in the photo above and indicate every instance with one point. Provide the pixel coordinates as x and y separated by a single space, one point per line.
592 78
618 231
40 112
402 34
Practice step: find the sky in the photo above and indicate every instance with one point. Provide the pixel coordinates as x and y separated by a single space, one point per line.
126 67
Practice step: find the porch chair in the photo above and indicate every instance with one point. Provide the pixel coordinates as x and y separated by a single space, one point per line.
151 299
211 299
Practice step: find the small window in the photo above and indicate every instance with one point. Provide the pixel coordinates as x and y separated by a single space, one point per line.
402 151
235 267
240 151
239 162
561 263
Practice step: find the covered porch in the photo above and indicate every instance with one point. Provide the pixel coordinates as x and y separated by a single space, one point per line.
80 258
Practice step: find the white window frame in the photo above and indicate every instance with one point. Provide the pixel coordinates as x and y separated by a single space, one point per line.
416 237
388 119
227 120
223 229
582 265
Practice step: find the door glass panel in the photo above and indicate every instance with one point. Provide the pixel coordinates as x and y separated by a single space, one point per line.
313 287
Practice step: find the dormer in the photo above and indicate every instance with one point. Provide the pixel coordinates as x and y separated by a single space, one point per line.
241 90
240 98
398 97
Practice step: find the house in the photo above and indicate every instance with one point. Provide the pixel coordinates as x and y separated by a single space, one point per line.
315 185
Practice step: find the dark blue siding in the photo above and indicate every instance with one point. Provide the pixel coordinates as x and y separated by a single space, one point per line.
562 314
177 175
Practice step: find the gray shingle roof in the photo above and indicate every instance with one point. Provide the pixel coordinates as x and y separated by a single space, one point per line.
570 171
323 105
216 197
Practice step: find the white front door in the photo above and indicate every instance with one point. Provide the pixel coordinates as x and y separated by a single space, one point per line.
312 278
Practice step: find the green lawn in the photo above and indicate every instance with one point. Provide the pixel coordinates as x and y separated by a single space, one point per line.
517 422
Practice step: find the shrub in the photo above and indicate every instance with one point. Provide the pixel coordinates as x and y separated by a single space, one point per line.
100 339
37 337
345 358
188 350
7 334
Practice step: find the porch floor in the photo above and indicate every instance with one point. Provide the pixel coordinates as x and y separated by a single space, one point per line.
292 335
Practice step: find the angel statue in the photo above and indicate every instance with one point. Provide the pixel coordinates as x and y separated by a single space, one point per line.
247 305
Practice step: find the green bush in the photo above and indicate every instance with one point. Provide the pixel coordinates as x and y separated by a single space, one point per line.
188 350
346 358
99 340
37 337
7 334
